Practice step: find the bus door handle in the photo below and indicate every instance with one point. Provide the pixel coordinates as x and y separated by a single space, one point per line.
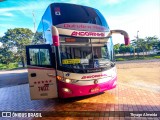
50 74
33 74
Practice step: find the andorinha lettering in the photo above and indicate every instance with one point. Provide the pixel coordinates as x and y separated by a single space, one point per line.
96 34
94 76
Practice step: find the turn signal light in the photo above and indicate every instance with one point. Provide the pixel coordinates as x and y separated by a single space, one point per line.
59 77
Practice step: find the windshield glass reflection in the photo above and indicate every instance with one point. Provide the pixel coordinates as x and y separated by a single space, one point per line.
85 53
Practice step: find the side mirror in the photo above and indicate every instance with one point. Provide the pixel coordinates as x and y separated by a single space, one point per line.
124 33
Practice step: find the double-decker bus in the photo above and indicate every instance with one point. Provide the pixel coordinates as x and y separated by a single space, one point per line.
72 53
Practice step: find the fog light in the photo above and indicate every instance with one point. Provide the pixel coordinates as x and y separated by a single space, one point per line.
66 90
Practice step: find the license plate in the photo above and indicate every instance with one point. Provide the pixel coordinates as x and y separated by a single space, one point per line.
95 89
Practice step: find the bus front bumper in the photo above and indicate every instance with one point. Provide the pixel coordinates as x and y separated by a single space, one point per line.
67 90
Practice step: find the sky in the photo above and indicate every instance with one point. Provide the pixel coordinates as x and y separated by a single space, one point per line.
129 15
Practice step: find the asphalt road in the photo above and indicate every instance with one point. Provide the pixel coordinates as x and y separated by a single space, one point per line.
12 78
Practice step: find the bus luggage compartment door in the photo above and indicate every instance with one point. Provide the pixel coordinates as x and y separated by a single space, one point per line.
42 83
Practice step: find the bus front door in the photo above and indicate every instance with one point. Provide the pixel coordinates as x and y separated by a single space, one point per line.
41 72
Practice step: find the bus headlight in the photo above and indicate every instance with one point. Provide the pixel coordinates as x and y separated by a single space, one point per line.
68 80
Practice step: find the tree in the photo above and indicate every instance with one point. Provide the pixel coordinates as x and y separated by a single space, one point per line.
151 42
129 49
38 38
145 45
116 48
142 45
15 40
6 56
158 45
139 45
122 49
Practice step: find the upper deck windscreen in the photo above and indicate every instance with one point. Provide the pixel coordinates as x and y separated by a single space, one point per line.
70 13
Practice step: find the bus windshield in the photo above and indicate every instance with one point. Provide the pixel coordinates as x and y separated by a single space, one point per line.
69 13
85 53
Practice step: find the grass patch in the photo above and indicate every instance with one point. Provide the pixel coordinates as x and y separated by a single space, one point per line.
9 66
140 57
3 66
120 59
157 57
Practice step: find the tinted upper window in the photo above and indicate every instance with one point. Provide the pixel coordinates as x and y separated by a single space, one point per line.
67 13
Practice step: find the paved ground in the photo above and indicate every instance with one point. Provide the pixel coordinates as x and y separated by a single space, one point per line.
12 78
144 74
128 96
123 98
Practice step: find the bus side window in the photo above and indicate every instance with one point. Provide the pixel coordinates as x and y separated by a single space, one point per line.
34 57
39 57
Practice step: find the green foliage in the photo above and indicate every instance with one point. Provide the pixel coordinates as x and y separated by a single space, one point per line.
38 38
158 45
120 59
138 45
157 57
116 48
9 66
3 66
141 57
6 56
14 42
124 49
12 65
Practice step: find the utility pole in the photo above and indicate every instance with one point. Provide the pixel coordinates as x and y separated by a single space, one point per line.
137 43
137 35
34 21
